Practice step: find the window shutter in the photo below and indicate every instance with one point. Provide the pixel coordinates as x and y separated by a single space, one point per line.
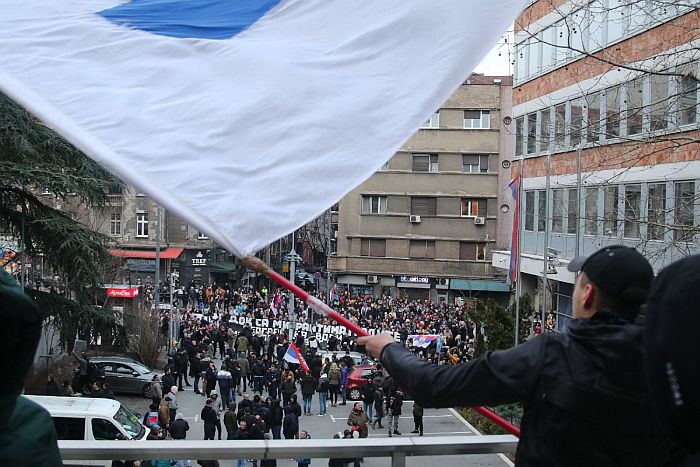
467 251
423 206
416 249
470 159
364 247
430 250
483 205
484 163
377 247
421 163
472 114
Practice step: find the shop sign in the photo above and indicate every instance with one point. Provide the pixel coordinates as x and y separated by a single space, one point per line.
414 279
199 259
141 265
122 293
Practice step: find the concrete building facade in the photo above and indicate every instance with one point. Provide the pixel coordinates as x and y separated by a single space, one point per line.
606 125
425 224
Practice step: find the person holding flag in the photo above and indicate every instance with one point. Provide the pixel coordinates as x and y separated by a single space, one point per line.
293 355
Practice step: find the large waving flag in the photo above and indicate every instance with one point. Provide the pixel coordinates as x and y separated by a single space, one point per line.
514 244
248 118
294 355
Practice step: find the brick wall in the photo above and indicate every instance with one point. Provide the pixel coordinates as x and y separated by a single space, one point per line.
535 12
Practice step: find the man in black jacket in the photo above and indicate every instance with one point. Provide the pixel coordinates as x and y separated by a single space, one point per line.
583 390
210 419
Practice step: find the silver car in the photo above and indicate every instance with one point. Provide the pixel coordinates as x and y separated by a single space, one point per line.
126 375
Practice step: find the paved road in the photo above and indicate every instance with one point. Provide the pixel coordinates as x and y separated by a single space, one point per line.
437 422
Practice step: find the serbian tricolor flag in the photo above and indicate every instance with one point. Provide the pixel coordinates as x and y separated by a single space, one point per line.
513 269
194 100
293 355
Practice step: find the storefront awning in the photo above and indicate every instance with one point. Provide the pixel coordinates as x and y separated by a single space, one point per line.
222 267
484 285
167 253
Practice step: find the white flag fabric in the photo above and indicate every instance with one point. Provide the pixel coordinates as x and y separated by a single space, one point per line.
247 118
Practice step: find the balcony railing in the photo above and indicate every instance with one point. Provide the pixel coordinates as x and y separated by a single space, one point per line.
397 448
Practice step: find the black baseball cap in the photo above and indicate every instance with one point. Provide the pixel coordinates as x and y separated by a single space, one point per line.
620 271
672 350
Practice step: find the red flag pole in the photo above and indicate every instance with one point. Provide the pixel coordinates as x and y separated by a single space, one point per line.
258 265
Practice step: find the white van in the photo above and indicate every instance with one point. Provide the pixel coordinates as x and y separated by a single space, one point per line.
88 419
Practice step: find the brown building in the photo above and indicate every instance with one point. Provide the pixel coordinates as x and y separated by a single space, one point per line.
425 224
606 122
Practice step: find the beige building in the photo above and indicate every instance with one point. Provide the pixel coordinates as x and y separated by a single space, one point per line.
425 224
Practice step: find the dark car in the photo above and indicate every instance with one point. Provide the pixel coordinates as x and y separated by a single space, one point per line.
357 378
125 375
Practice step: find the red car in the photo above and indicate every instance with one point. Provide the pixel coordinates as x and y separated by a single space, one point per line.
357 378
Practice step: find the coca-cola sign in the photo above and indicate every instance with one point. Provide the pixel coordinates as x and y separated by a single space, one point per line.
122 293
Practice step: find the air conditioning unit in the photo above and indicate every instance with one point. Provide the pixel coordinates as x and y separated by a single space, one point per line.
372 279
443 281
479 221
414 219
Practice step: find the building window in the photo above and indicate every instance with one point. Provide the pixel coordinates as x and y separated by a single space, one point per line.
658 102
374 205
532 133
473 207
472 251
633 210
572 211
612 112
530 211
373 247
541 210
142 224
519 135
684 216
433 121
557 210
559 126
656 211
593 121
477 119
425 163
545 130
591 211
202 236
423 206
473 163
688 91
635 99
114 190
115 223
610 208
617 21
576 124
421 249
521 61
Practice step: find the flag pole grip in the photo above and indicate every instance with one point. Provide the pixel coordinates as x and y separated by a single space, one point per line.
258 265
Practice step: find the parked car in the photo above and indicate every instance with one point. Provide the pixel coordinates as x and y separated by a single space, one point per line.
357 378
357 357
125 375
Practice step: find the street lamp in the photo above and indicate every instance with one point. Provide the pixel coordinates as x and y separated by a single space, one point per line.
292 259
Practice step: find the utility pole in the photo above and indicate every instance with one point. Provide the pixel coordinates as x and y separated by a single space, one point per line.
328 254
292 277
518 284
546 240
156 279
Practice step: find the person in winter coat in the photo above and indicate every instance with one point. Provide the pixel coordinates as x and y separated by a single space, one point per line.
168 379
181 361
308 387
367 395
258 370
294 405
208 416
394 403
230 421
196 371
164 413
358 420
172 404
288 389
303 461
225 384
290 424
243 372
179 427
53 388
242 346
418 419
344 383
378 407
334 378
322 394
272 381
156 389
275 419
210 378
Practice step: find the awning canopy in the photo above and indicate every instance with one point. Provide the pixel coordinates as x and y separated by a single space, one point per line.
167 253
222 267
484 285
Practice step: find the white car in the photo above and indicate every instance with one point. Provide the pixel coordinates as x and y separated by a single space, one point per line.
357 357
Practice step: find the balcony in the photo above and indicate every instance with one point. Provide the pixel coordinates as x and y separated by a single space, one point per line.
396 449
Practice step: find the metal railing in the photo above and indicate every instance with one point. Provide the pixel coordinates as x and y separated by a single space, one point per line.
397 448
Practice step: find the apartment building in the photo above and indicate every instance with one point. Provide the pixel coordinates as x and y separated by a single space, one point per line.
606 129
425 224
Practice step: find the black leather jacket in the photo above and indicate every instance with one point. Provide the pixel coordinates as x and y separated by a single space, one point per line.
583 393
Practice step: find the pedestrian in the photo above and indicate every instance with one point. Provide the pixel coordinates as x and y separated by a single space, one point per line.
210 378
394 402
208 416
288 389
152 416
344 382
196 371
583 391
164 413
181 360
172 403
156 389
290 424
179 427
241 434
334 383
225 383
244 370
378 407
52 386
322 394
230 421
275 419
168 378
367 395
303 461
358 420
308 387
216 405
272 380
417 419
